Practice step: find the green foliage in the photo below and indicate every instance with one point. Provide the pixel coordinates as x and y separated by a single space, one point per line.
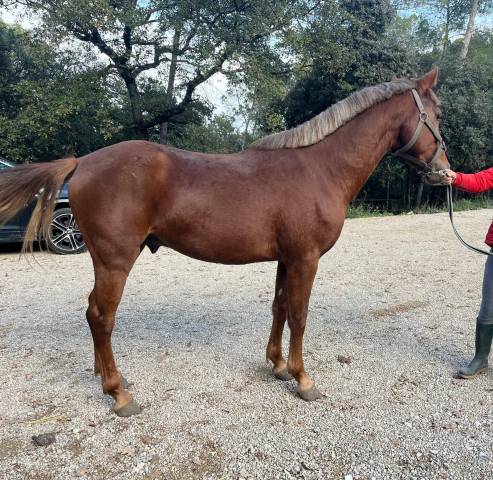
218 135
182 44
468 124
340 48
46 111
360 210
466 91
444 17
364 211
473 203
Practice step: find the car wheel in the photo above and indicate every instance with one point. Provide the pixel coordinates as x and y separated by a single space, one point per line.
64 237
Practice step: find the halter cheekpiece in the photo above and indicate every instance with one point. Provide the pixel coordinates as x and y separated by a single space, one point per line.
423 120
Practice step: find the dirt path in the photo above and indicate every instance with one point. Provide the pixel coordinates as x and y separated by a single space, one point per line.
398 295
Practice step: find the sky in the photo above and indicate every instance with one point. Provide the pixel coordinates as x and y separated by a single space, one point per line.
9 17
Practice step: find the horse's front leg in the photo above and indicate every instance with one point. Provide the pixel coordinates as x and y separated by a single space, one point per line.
300 276
279 315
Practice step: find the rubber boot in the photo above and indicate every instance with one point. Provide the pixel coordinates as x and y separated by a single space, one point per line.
479 364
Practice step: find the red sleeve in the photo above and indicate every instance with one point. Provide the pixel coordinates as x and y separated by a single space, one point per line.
475 182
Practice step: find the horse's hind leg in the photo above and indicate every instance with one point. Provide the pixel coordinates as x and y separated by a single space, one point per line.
279 314
103 303
93 312
300 276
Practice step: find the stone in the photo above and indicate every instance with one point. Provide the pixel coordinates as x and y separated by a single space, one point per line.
44 439
345 360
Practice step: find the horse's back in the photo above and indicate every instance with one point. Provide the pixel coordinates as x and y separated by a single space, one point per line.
206 206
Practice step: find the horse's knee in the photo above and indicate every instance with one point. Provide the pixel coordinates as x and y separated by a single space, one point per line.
92 315
274 307
296 324
279 304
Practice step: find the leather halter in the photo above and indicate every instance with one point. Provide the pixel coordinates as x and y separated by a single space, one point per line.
423 120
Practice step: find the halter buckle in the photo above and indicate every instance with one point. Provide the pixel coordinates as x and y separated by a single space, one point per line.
423 116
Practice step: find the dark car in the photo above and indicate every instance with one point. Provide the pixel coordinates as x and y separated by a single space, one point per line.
64 237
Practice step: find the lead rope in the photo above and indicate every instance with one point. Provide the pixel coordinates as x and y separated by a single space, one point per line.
451 216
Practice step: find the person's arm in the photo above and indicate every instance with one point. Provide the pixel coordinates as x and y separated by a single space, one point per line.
471 182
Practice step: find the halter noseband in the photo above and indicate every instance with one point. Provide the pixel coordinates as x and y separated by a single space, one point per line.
423 120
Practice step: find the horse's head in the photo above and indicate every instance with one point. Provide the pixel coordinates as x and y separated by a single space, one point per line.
421 143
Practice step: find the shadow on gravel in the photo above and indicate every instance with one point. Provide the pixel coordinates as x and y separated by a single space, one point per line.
213 326
9 248
14 248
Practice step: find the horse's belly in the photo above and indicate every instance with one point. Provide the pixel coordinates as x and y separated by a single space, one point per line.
220 247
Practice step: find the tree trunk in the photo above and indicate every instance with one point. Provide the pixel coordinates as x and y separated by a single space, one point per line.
163 133
419 195
163 130
388 193
469 30
408 190
134 98
245 133
447 29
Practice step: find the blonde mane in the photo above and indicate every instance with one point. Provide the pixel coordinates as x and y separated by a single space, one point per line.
327 122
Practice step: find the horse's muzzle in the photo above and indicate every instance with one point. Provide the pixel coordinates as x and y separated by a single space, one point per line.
434 177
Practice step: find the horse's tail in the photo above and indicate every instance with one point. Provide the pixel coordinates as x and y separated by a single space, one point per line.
18 187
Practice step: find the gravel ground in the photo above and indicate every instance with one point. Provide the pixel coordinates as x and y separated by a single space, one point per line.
398 295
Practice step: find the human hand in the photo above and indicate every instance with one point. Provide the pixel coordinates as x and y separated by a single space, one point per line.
449 177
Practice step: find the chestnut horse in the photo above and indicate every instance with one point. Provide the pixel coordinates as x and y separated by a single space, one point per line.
284 199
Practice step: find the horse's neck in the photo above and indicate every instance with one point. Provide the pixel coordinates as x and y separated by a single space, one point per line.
349 156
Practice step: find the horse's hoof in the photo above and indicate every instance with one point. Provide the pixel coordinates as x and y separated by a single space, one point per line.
310 394
283 375
131 408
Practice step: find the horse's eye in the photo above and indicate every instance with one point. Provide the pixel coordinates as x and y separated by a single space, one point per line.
439 114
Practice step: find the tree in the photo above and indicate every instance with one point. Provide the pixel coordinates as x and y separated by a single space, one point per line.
218 135
466 91
485 6
47 111
344 48
449 17
185 43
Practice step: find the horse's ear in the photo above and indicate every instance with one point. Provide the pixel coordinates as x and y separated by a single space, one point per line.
428 80
394 78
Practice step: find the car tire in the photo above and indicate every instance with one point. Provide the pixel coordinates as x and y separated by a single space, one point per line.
64 236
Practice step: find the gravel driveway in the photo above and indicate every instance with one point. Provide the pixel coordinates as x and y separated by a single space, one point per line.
397 295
